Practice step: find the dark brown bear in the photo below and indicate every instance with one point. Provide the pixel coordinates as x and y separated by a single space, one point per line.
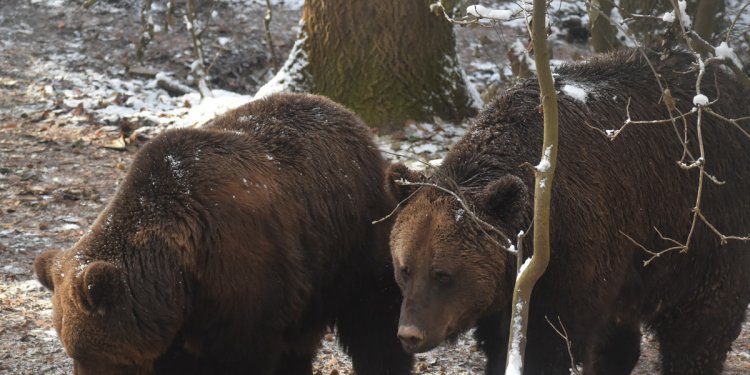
229 249
454 277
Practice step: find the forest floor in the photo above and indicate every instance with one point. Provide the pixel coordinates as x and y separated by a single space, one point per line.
72 117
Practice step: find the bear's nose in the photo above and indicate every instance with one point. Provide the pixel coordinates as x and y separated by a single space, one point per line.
411 337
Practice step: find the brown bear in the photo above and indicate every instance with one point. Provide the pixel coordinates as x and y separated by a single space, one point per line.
454 276
230 249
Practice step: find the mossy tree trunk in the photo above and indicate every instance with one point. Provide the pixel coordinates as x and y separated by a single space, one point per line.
390 61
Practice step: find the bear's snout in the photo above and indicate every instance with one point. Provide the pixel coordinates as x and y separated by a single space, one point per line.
412 338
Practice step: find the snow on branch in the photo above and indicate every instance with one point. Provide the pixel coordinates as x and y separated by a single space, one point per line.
479 11
475 15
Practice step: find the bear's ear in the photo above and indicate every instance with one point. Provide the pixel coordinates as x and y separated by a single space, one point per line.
507 199
42 267
398 172
100 287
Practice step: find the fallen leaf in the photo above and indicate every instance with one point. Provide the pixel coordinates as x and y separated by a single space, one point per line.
118 144
78 110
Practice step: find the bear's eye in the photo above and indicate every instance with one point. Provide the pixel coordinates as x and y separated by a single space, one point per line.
442 277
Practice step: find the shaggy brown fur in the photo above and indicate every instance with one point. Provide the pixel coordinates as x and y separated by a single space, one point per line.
229 249
453 277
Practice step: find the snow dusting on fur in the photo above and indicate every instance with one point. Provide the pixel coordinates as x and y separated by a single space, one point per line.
576 92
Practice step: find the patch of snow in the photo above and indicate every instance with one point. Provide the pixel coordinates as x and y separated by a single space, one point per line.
514 356
223 41
67 227
576 92
684 18
161 76
476 99
14 270
52 333
209 107
545 164
518 49
427 147
668 17
495 14
725 52
622 27
49 3
288 77
289 4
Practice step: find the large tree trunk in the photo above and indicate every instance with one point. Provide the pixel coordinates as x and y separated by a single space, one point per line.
390 61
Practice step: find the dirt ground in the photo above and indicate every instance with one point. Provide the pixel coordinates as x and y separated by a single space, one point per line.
60 163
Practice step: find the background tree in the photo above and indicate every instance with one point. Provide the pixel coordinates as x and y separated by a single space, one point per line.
603 33
390 61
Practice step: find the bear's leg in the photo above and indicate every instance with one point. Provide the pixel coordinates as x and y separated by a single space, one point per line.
367 330
492 336
694 338
618 351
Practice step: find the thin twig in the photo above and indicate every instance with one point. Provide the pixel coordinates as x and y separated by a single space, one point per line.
195 34
654 254
483 224
734 21
564 334
395 209
722 237
269 39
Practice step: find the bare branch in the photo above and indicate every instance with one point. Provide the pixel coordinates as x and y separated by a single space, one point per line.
409 157
395 209
483 224
200 68
654 254
733 122
722 237
734 21
269 39
564 334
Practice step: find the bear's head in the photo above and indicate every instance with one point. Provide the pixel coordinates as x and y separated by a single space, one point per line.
110 318
450 267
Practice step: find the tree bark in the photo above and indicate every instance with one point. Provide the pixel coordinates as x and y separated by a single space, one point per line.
706 14
603 33
390 61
